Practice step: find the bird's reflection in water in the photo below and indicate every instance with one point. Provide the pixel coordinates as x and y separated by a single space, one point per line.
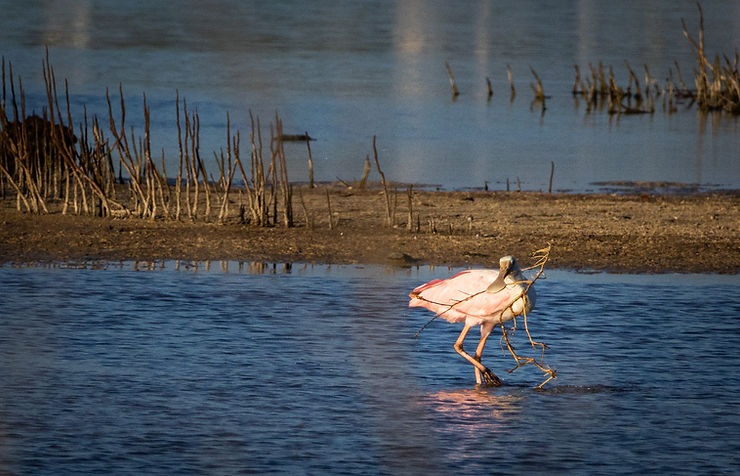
475 408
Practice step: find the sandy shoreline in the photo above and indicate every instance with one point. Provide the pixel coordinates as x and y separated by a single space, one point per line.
638 233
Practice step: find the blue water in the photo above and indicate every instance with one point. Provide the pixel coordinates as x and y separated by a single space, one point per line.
247 368
348 71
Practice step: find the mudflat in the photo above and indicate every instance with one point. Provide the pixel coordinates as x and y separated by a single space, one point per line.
642 233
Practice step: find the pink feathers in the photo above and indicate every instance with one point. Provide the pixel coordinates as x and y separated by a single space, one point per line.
484 298
478 296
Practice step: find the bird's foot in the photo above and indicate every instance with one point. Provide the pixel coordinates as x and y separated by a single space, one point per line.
490 379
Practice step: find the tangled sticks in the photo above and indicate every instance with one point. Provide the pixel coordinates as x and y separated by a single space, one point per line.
541 257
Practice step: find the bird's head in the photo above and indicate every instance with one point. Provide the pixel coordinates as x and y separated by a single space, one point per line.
507 266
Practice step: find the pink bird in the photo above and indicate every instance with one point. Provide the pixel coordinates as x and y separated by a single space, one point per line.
482 297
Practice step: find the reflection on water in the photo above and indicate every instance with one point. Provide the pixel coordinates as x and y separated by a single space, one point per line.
311 369
478 404
347 71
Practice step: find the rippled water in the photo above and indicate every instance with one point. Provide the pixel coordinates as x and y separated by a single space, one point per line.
301 369
346 71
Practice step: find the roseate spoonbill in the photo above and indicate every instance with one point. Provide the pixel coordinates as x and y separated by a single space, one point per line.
483 297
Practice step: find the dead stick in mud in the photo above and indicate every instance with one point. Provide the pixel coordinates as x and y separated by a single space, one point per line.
577 84
395 206
552 172
511 82
309 223
633 78
365 173
455 91
256 193
285 187
331 215
603 84
389 216
273 173
310 161
684 89
20 196
199 168
228 169
411 207
66 192
162 184
186 158
68 154
539 92
178 183
648 80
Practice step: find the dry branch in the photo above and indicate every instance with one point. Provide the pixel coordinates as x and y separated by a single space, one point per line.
511 82
365 173
388 209
310 161
453 86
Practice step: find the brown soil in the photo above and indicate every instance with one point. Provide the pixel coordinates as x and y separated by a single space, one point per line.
617 233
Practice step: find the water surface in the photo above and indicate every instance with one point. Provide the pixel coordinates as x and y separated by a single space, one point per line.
300 369
348 71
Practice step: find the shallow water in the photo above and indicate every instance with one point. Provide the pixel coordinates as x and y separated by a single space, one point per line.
346 71
313 369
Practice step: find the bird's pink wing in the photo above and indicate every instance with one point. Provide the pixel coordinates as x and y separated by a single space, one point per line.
461 296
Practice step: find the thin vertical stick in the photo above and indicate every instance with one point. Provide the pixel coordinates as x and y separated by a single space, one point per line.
331 215
178 184
66 193
196 167
539 92
365 173
455 91
552 172
577 85
389 216
633 79
411 207
199 161
188 168
310 161
165 202
511 82
309 223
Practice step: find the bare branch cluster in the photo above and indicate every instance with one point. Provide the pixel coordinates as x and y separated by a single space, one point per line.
541 258
716 84
48 157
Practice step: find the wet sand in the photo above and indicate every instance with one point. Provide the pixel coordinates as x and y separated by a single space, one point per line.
642 233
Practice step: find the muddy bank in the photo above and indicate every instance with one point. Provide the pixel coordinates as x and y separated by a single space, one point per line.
616 233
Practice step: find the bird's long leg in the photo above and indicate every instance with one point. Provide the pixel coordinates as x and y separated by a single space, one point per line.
489 377
479 368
